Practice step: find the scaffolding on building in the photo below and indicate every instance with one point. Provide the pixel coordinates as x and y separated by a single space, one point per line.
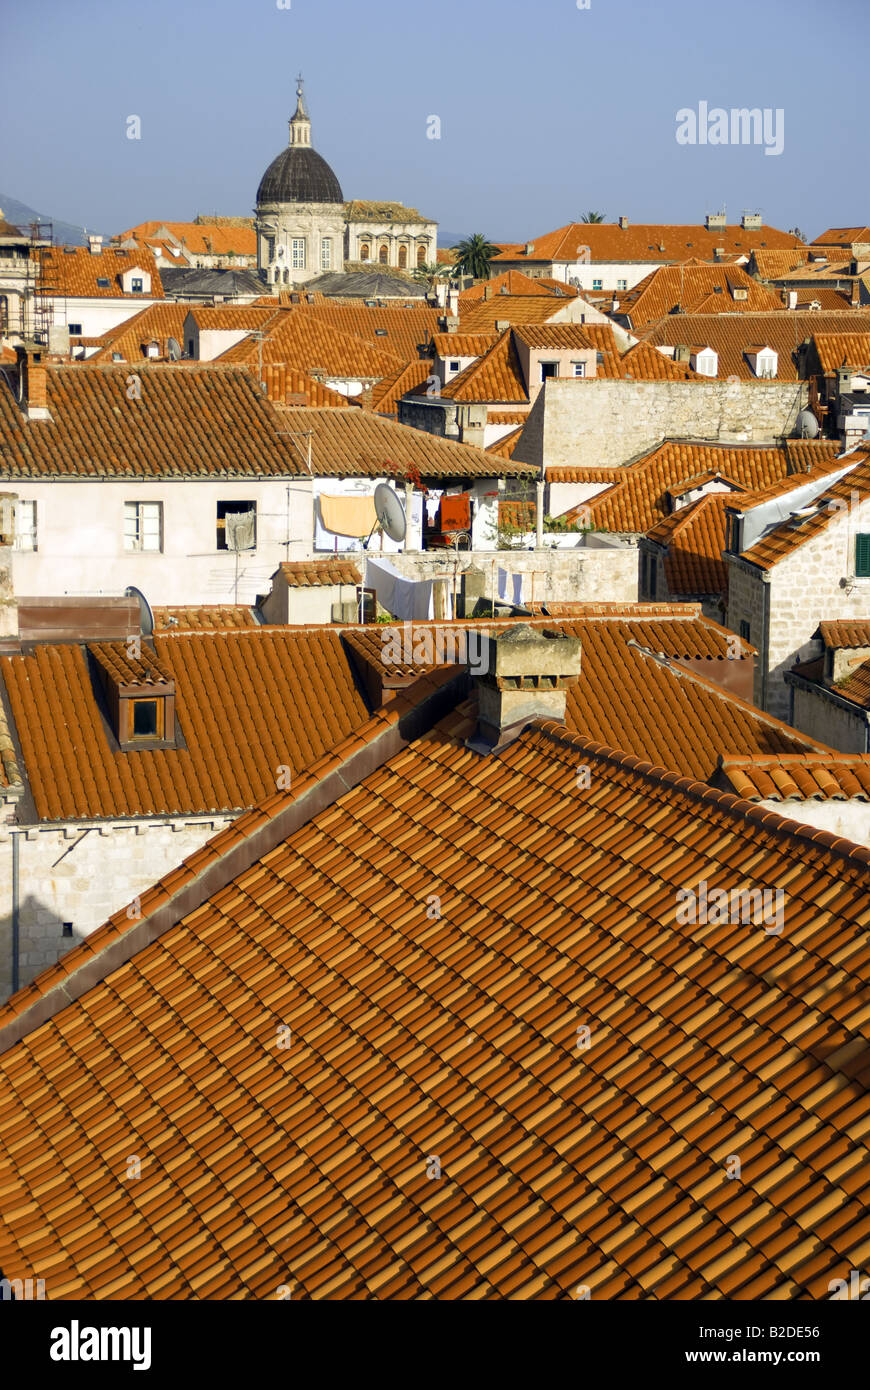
44 292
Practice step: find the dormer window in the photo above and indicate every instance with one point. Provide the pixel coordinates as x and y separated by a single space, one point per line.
103 282
140 693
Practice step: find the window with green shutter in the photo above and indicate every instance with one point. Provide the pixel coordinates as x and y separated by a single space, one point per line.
862 555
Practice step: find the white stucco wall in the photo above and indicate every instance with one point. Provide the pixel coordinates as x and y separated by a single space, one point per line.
98 316
80 538
851 819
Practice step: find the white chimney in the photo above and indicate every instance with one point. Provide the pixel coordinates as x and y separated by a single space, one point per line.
96 245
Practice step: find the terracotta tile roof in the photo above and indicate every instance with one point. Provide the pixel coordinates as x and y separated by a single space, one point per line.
733 336
387 392
203 619
361 444
292 386
842 350
72 272
515 282
504 448
463 344
483 316
115 659
842 236
158 323
305 574
769 264
828 300
397 331
693 288
188 421
856 686
638 498
814 468
553 335
497 376
457 1037
845 634
371 210
641 241
231 317
645 363
247 703
303 342
799 777
10 773
784 539
202 238
506 417
694 539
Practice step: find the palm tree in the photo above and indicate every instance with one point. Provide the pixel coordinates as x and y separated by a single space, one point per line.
473 256
593 217
432 273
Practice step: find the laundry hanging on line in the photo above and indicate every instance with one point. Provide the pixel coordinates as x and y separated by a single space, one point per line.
406 599
347 515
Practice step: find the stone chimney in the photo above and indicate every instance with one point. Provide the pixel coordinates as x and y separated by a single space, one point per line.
623 222
523 674
95 245
487 291
32 381
453 303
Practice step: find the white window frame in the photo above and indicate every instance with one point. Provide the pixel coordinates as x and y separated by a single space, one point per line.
143 515
26 524
297 252
598 284
326 253
579 368
622 284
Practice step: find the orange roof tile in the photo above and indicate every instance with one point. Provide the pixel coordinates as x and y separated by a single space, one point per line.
202 238
291 386
131 339
504 448
782 540
247 702
497 376
463 344
769 264
515 282
187 421
483 316
361 444
638 498
387 392
397 331
203 618
844 634
799 777
305 574
856 686
73 272
645 241
696 289
407 1036
734 336
303 342
842 236
694 539
842 350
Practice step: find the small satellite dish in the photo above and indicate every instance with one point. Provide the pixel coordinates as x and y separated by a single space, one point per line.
146 617
390 512
808 425
174 349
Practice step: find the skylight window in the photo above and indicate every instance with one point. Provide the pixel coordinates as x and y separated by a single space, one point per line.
103 282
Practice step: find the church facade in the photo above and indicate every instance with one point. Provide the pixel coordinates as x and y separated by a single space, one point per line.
305 228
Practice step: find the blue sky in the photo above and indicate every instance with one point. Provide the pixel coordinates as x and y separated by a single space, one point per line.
546 110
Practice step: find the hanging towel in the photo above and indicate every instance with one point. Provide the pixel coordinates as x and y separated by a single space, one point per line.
510 587
433 499
239 530
347 516
406 599
456 512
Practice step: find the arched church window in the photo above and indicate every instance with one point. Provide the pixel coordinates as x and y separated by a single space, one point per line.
403 257
365 252
421 255
382 255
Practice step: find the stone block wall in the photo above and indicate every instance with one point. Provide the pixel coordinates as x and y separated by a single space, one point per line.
819 717
83 873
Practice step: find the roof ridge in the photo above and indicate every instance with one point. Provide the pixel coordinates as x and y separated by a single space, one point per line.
701 791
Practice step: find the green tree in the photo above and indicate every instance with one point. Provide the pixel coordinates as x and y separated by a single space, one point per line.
433 273
473 256
593 217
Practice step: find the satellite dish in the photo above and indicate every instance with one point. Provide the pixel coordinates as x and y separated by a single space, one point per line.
174 349
808 425
146 617
390 512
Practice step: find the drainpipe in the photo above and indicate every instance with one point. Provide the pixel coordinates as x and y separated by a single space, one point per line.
15 912
539 514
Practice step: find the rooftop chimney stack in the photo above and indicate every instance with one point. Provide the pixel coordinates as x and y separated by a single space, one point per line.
32 381
95 244
623 222
523 674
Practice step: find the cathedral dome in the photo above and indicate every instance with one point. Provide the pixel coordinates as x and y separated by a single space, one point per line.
299 174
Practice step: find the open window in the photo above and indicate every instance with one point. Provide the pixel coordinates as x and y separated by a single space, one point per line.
236 525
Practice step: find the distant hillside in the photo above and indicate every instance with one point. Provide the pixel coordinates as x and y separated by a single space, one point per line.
20 215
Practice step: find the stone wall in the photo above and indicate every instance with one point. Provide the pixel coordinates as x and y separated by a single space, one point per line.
605 423
828 722
596 572
82 873
806 587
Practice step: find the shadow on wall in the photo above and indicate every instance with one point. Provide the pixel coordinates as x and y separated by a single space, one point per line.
41 943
